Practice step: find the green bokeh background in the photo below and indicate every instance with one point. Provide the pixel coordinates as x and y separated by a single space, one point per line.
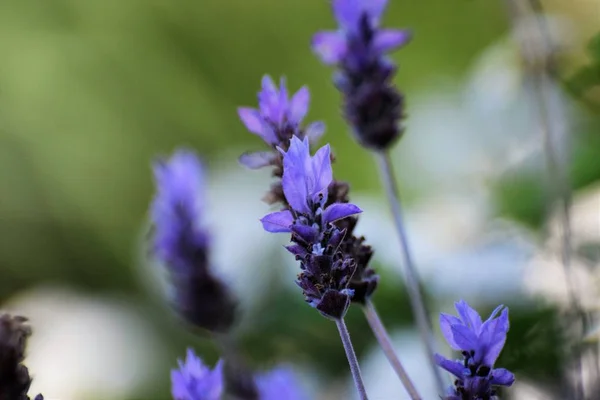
91 91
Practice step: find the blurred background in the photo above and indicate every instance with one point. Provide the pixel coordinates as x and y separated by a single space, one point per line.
92 91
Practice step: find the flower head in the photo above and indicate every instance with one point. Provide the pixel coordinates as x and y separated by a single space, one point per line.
277 120
195 381
373 107
327 272
305 181
13 374
182 243
480 344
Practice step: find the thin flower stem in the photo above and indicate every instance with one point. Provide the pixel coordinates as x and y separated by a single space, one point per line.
412 277
354 368
388 349
547 105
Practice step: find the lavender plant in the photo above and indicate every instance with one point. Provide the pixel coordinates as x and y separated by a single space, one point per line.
373 108
480 344
315 210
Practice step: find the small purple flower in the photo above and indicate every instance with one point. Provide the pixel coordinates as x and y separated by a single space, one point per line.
326 271
277 120
195 381
373 107
480 343
279 384
182 243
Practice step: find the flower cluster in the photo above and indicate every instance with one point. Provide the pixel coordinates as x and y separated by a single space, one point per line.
278 121
14 376
326 272
480 344
373 106
182 243
195 381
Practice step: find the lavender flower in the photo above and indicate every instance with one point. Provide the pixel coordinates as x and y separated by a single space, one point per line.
14 376
277 120
326 271
195 381
480 344
373 106
182 243
279 115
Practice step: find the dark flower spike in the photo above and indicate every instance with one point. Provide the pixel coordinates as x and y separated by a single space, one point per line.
326 272
373 106
14 376
480 343
182 243
195 381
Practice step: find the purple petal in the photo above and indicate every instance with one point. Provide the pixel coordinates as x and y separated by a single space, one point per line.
268 99
330 46
252 119
446 321
464 337
294 178
279 384
454 367
493 337
297 250
469 316
305 232
268 133
375 9
502 377
348 12
321 174
389 39
257 160
314 131
299 105
338 211
279 221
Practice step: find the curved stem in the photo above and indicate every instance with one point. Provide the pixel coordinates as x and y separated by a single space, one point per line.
547 106
412 277
352 360
388 349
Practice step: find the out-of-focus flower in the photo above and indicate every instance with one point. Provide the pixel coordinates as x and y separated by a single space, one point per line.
195 381
326 271
373 106
14 376
480 343
182 243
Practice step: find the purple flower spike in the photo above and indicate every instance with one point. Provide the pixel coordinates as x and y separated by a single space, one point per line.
182 243
480 344
373 106
327 272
